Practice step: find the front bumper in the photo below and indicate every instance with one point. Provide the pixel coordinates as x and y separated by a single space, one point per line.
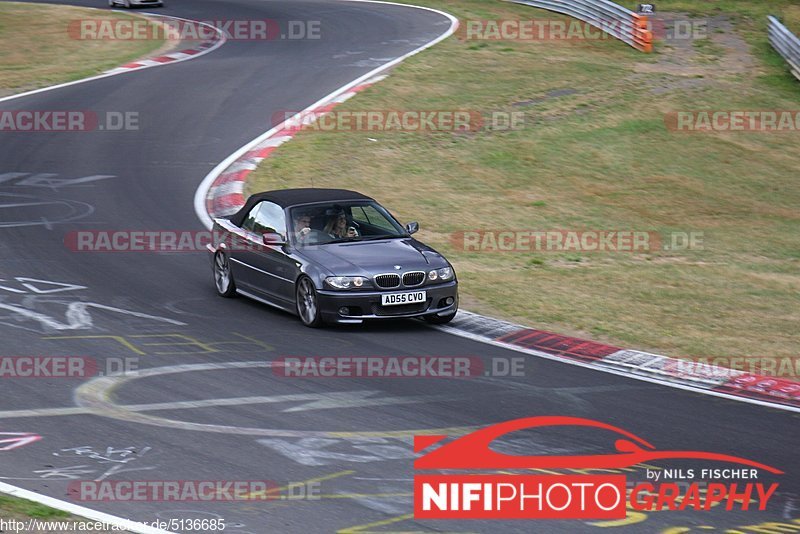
362 305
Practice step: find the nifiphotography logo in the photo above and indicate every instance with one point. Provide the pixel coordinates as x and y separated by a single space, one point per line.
574 496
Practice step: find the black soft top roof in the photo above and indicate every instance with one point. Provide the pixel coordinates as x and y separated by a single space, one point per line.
291 197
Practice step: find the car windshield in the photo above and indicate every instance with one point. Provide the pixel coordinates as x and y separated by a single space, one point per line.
340 222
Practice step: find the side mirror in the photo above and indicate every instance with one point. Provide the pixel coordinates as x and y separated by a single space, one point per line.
412 227
274 239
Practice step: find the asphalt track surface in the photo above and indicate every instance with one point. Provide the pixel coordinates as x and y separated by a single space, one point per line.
161 311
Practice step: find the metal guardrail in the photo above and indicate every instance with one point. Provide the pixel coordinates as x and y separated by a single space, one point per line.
786 43
613 19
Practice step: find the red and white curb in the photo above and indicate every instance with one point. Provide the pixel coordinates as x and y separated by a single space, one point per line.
703 378
226 194
201 49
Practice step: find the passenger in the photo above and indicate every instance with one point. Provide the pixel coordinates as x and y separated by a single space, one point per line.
337 226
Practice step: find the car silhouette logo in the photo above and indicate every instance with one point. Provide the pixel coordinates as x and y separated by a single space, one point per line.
473 450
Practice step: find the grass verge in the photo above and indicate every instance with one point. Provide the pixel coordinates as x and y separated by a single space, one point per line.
14 508
38 50
45 519
594 154
791 18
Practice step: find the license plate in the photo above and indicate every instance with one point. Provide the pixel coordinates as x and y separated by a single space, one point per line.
392 299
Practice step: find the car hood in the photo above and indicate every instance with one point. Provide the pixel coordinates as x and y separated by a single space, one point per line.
372 257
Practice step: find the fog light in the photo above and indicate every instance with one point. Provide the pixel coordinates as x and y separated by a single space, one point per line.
449 301
344 310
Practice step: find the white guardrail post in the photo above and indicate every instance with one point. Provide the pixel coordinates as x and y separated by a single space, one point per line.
613 19
786 43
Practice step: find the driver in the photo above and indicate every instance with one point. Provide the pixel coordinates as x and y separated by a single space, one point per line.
302 226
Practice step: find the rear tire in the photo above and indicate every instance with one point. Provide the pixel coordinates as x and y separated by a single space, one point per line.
223 276
307 303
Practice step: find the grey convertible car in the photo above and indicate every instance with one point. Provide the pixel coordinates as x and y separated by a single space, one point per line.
330 255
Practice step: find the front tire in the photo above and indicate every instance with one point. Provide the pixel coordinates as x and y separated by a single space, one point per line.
223 276
307 303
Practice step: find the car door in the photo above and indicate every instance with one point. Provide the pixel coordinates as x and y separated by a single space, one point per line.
271 267
240 243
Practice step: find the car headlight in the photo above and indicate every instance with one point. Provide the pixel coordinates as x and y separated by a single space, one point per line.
345 282
444 274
